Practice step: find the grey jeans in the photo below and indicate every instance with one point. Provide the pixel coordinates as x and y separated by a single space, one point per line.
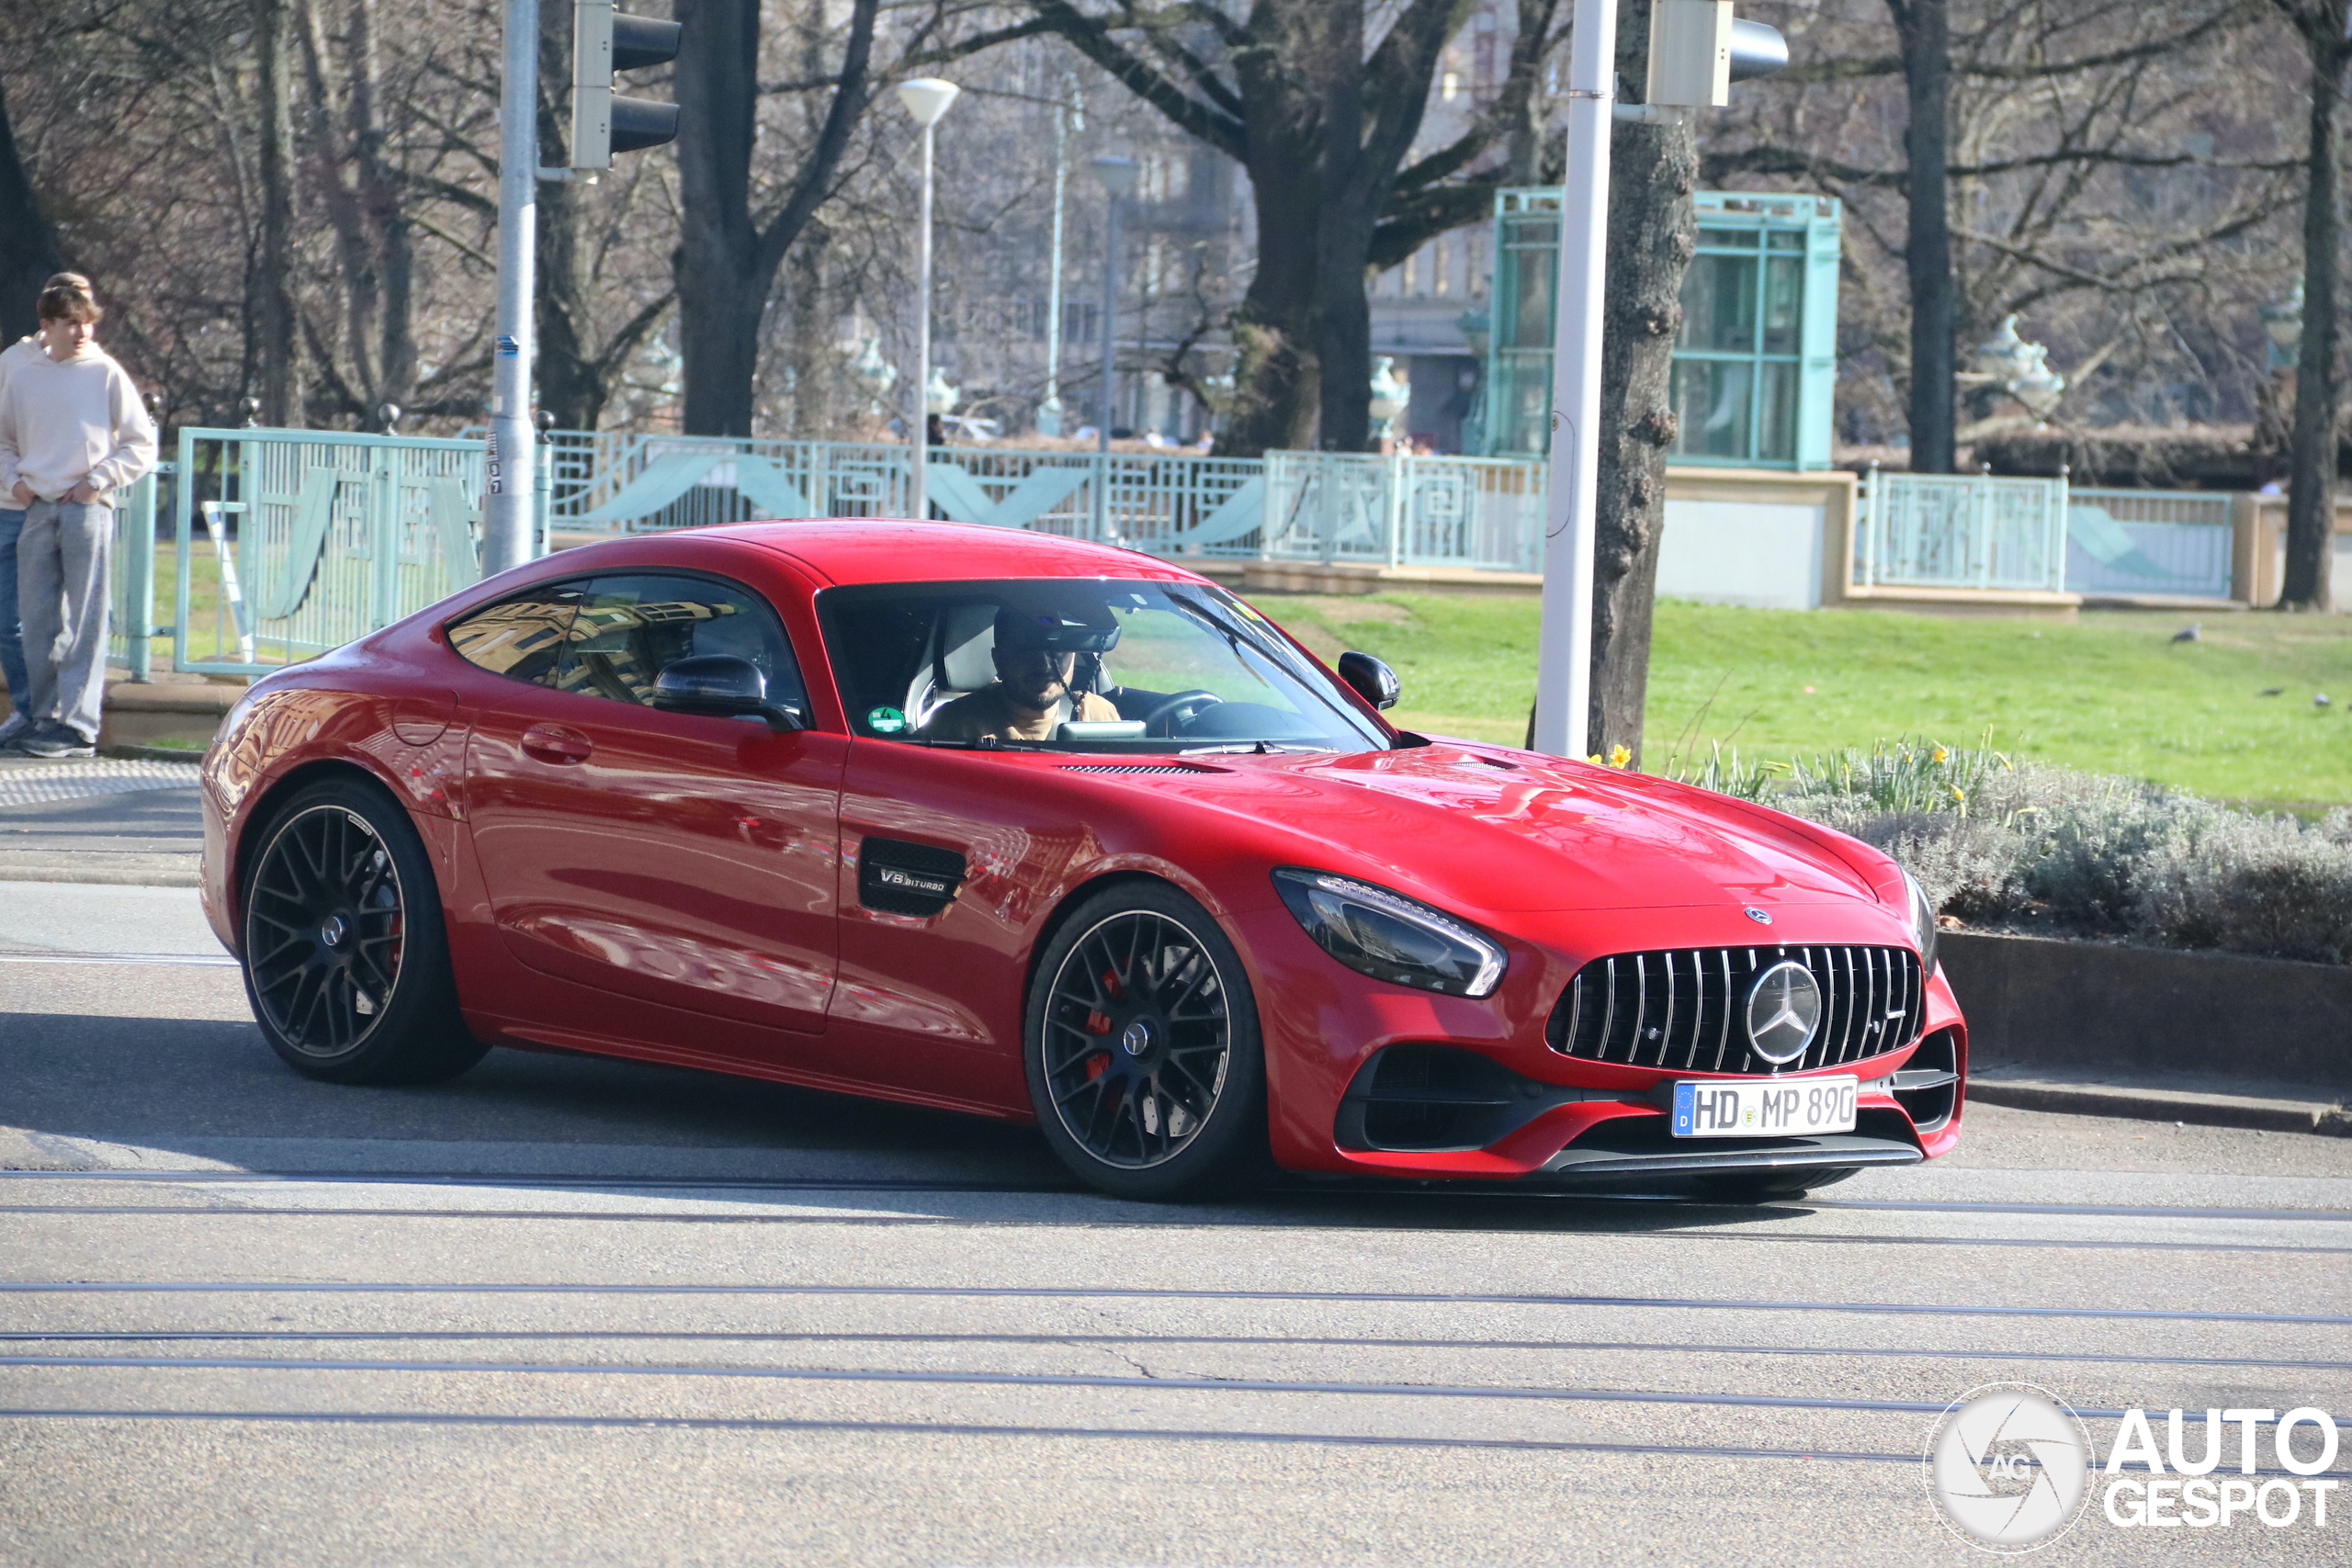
61 560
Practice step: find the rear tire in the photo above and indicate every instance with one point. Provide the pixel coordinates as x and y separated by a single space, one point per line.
347 960
1141 1042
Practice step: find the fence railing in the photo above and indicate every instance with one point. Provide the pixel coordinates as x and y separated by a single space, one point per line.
312 539
131 630
2150 544
1976 531
1484 513
285 544
1960 531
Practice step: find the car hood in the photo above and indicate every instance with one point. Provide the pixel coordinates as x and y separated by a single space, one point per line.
1511 830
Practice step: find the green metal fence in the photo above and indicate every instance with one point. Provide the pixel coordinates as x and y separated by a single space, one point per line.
312 539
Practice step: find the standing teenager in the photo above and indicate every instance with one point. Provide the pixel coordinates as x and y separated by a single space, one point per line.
72 435
12 523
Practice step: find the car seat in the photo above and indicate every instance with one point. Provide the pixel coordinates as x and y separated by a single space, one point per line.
960 660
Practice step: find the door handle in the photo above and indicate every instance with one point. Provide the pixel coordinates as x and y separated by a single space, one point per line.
554 743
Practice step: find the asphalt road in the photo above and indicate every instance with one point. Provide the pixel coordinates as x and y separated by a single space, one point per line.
566 1310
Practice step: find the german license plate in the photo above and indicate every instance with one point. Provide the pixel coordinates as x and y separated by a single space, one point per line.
1716 1108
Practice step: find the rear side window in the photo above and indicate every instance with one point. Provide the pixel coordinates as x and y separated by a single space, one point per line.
523 637
626 628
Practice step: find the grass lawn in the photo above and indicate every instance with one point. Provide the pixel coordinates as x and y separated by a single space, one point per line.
2110 692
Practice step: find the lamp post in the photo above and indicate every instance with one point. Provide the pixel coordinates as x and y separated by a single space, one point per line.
1571 519
926 98
1049 413
1118 177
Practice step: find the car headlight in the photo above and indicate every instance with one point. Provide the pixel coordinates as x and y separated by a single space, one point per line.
1923 924
1390 937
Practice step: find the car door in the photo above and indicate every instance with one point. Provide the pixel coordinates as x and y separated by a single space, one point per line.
676 858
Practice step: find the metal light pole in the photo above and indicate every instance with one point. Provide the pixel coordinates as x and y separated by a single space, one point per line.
926 98
1118 177
1049 413
514 445
1564 655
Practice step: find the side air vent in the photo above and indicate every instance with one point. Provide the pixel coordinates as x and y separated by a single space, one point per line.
901 878
1134 768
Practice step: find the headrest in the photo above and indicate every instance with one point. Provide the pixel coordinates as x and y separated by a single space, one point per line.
967 636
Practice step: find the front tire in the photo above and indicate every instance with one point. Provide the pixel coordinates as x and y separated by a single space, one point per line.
346 961
1144 1057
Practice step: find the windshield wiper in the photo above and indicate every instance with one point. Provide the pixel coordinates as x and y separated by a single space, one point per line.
1252 748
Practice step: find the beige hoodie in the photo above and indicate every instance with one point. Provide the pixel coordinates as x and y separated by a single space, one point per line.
65 423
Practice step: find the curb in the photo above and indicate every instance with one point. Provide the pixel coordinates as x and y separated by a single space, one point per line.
2324 1118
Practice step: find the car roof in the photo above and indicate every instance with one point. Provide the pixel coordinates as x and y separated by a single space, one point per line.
845 551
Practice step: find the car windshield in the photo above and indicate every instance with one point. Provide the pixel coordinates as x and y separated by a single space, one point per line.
1083 665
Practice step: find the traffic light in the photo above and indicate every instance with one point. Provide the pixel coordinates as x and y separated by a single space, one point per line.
1697 50
602 43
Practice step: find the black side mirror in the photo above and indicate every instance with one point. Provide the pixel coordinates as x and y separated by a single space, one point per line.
1374 682
721 685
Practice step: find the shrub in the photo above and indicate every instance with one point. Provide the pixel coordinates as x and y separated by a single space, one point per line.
1994 841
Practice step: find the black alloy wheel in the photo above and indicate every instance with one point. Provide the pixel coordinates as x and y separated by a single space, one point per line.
1144 1057
344 958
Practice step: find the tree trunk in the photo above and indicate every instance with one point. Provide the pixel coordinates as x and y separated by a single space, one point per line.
276 332
568 387
720 298
2311 512
726 264
28 243
1652 233
1924 28
1332 34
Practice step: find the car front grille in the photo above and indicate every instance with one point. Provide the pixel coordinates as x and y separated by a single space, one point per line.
1685 1010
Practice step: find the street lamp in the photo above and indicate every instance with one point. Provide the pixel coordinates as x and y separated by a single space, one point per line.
1068 115
926 98
1118 177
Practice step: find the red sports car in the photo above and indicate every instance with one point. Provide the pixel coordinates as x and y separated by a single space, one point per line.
1048 832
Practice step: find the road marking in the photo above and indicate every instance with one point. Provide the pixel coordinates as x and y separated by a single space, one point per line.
949 1430
1143 1341
1104 1292
198 961
1003 1380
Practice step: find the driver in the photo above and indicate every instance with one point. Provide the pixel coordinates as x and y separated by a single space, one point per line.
1035 656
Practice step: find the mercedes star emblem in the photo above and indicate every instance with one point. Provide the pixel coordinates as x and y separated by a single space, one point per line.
1783 1008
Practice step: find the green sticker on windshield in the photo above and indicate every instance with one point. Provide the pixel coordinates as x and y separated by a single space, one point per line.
886 721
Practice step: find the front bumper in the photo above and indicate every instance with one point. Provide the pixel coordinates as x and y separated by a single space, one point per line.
1525 1109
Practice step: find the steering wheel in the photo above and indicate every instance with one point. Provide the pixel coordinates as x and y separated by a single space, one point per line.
1185 704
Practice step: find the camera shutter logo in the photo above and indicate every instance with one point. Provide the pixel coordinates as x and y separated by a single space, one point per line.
2009 1467
1783 1009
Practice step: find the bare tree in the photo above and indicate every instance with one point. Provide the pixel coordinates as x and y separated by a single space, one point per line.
728 254
28 241
2324 28
2044 152
276 346
1323 116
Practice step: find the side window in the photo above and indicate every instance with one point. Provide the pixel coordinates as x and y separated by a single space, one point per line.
628 628
523 637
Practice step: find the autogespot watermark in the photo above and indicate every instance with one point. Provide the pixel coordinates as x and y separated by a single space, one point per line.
2012 1468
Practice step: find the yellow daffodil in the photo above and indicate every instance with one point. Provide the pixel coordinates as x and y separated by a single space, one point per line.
1619 756
1943 755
